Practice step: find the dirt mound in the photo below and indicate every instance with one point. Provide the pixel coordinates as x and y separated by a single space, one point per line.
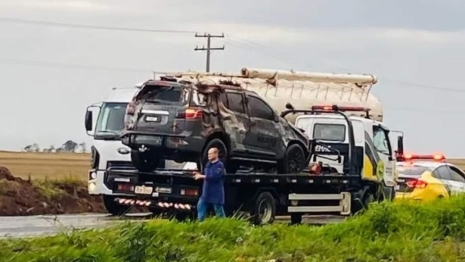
21 197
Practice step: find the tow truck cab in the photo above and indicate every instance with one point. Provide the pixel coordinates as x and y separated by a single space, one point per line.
373 154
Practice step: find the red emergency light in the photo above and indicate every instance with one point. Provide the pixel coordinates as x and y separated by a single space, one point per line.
436 157
340 108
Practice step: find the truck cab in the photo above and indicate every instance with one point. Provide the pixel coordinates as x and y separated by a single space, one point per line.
107 151
373 155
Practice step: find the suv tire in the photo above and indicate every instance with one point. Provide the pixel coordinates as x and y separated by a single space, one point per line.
223 155
146 161
294 160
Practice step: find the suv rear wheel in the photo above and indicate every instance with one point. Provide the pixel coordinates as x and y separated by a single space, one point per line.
146 161
222 154
294 160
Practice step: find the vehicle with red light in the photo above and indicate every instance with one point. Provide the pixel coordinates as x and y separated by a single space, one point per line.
428 177
180 121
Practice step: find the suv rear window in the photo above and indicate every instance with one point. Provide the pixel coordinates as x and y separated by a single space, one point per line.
170 94
411 170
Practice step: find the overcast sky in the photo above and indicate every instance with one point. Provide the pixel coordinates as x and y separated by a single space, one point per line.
415 47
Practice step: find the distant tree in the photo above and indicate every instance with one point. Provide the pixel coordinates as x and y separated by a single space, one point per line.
69 146
83 147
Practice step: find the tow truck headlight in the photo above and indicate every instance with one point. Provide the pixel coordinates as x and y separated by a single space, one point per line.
93 175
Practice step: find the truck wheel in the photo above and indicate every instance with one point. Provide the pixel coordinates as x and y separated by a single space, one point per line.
223 155
146 161
155 211
294 160
113 207
296 218
264 209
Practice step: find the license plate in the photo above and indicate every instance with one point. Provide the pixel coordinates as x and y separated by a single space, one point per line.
397 187
145 190
165 190
150 140
152 118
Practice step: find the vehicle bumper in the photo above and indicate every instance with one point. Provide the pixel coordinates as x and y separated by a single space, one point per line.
165 191
173 143
400 196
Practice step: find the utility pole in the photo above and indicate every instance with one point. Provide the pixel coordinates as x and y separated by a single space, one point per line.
209 48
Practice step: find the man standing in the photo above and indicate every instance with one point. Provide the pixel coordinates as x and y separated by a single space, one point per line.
213 186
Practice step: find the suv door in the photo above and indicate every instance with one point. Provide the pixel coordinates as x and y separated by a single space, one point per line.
266 132
235 121
458 179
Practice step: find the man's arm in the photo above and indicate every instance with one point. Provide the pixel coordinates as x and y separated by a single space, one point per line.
216 175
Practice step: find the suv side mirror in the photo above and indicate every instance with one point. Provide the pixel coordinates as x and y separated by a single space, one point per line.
88 121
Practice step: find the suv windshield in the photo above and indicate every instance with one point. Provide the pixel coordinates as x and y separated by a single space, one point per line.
170 94
110 122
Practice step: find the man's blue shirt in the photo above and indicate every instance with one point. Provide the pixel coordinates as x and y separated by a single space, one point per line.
213 186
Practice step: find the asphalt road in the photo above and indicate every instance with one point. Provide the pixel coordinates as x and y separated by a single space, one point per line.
24 226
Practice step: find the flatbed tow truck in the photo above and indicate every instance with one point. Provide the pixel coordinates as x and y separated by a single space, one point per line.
262 195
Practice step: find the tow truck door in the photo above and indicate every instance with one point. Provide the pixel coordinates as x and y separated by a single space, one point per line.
383 156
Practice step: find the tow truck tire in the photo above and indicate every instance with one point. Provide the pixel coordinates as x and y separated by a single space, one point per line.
294 160
114 208
146 161
264 209
296 218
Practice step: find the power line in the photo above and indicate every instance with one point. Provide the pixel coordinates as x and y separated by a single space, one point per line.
68 65
47 23
209 48
259 48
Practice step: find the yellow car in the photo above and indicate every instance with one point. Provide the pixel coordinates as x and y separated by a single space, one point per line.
428 180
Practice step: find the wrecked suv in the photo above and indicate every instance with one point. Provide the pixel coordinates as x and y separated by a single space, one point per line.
181 121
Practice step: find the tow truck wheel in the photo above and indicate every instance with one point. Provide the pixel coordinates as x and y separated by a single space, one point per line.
294 160
146 161
264 209
296 218
113 207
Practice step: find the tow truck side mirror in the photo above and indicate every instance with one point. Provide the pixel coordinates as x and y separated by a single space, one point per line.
400 145
289 106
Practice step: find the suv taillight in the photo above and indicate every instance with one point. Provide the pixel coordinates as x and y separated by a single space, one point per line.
190 113
131 109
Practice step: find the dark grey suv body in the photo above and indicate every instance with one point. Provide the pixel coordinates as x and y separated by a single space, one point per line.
181 121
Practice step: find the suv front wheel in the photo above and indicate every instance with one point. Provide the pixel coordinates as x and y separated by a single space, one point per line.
294 160
146 161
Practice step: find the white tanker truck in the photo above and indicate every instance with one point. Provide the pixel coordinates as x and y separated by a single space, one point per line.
301 90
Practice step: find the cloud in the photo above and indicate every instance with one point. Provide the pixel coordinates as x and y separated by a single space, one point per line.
63 5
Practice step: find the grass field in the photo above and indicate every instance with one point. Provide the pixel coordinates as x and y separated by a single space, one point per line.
65 165
404 232
46 165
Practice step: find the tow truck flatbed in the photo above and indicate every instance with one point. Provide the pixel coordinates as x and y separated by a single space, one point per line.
284 194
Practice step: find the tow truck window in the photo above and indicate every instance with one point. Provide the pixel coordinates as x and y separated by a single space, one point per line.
329 132
381 140
111 119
